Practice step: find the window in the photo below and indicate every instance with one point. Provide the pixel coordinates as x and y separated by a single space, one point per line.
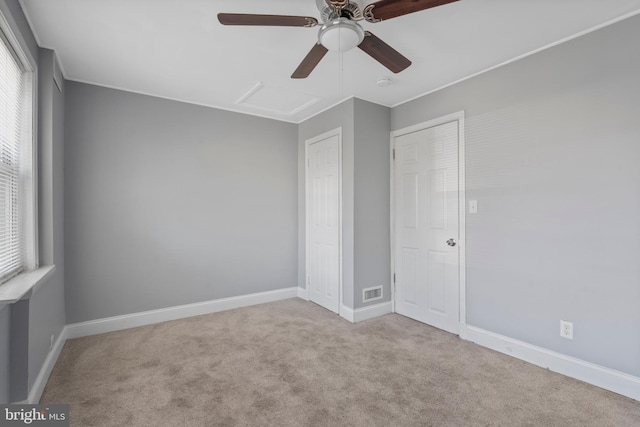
17 225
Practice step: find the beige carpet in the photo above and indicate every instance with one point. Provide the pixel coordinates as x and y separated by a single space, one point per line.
292 363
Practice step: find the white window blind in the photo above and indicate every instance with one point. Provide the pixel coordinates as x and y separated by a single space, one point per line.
12 259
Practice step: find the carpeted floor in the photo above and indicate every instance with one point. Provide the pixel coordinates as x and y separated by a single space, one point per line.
292 363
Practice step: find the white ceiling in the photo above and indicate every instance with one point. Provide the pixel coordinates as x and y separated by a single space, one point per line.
177 49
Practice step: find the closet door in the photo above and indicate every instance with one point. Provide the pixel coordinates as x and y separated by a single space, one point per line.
323 183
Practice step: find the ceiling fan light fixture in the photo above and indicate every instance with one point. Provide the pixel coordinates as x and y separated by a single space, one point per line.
341 35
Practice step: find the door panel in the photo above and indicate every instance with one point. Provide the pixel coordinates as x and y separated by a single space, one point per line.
410 275
426 216
323 232
437 282
410 199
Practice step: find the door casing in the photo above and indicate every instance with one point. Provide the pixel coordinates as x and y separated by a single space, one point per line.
459 117
335 132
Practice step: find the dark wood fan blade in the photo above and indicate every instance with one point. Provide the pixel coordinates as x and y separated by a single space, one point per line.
383 53
309 62
266 20
387 9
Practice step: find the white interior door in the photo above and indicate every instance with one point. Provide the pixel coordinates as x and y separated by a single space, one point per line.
426 217
323 220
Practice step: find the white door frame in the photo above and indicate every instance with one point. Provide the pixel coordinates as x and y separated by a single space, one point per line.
335 132
459 117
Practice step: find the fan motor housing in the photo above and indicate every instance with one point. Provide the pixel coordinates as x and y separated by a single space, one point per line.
352 10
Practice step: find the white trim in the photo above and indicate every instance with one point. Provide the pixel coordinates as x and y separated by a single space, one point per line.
334 132
29 138
118 323
183 101
524 55
448 118
150 317
58 74
335 104
340 101
462 260
462 226
208 105
303 293
16 288
17 41
392 273
365 313
30 184
47 367
261 85
347 313
606 378
372 311
249 94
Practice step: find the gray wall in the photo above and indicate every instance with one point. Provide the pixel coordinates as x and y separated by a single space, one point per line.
5 334
12 12
47 305
45 309
19 353
365 195
340 116
552 157
169 203
372 187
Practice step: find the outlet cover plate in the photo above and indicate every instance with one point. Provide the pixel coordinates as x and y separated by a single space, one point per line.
566 329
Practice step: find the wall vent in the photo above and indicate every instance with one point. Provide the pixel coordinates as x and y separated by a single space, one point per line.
372 294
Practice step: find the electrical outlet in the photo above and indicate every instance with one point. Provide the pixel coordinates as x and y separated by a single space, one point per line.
566 329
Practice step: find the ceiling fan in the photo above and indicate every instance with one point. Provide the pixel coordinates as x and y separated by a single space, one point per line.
340 30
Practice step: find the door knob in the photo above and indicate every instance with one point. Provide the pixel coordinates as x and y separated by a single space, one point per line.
451 242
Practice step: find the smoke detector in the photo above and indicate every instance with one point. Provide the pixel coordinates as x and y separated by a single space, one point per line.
383 81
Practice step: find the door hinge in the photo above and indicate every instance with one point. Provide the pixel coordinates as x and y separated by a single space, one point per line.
394 154
394 278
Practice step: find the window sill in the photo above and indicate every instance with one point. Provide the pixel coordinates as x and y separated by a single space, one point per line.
24 284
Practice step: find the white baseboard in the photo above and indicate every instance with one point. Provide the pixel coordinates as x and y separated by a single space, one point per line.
144 318
45 371
365 313
117 323
303 293
347 313
608 379
372 311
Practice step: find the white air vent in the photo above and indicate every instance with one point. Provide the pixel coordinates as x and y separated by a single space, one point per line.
57 72
372 294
